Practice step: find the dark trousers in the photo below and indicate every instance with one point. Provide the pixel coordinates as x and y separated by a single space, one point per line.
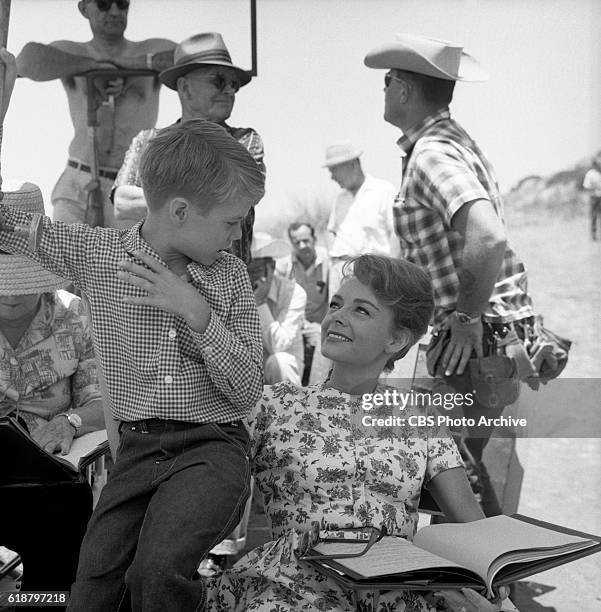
45 525
175 491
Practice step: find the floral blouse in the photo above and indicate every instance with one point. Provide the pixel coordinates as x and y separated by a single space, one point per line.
53 368
315 459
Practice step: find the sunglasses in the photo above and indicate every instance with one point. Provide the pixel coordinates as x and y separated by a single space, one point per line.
390 77
105 5
220 82
362 539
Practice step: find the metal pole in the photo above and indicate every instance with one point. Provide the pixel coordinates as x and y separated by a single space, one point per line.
253 36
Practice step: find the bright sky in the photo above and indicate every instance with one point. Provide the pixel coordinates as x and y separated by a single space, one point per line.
539 112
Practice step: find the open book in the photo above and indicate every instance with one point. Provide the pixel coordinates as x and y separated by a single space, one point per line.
23 461
481 555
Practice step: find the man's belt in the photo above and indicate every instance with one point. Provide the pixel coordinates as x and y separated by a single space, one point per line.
109 174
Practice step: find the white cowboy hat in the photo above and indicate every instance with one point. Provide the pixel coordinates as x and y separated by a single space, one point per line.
264 245
206 49
20 275
429 56
340 153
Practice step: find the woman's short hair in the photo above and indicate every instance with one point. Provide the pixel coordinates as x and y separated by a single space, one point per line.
401 285
198 160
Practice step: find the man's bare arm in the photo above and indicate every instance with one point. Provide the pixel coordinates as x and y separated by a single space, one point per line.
41 62
483 251
157 61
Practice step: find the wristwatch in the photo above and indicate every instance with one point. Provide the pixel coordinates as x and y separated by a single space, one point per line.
74 420
465 319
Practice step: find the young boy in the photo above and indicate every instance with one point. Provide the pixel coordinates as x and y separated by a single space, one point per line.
178 337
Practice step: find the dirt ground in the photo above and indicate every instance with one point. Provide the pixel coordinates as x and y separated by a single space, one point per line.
562 467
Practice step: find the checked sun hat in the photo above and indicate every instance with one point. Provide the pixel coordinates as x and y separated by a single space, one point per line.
206 49
429 56
20 275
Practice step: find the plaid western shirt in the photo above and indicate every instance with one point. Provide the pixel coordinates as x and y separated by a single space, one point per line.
155 365
129 174
446 169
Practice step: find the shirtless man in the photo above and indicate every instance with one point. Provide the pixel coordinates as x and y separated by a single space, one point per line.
126 106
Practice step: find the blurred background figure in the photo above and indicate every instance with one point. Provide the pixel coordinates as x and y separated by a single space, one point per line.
123 105
281 305
592 184
308 265
361 218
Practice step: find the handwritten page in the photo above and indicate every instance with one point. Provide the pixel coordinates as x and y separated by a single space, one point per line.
391 555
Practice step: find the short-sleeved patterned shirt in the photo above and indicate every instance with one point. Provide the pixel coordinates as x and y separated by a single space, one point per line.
446 169
53 368
129 174
154 364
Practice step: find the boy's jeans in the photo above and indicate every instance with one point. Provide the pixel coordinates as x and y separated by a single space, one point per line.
175 491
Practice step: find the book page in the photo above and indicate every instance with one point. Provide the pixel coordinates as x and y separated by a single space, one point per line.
83 445
476 545
391 555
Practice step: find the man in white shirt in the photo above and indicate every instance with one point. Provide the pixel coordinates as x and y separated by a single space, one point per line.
592 184
361 219
281 306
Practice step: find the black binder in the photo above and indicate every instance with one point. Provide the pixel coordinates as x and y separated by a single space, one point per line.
24 462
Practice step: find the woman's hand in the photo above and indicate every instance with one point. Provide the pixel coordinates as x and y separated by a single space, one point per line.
467 600
303 541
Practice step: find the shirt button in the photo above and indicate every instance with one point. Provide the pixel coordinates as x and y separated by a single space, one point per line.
168 379
172 334
208 351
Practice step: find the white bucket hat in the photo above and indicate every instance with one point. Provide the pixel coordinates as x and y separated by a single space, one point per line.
20 275
429 56
340 153
264 245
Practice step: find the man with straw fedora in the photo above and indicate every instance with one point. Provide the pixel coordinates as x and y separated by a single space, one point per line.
361 219
449 217
206 81
49 383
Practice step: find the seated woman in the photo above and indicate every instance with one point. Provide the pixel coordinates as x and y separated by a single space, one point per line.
315 461
48 382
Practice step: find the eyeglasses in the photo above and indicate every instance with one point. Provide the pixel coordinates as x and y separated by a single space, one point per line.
364 538
220 82
105 5
388 77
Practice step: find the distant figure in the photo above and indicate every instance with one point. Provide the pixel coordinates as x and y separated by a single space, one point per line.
361 218
308 265
592 183
206 82
281 305
126 105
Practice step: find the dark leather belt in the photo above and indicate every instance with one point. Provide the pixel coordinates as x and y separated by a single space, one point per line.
109 174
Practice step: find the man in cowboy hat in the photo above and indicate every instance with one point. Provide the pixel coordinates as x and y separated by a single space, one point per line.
361 219
449 214
281 306
206 82
49 383
125 105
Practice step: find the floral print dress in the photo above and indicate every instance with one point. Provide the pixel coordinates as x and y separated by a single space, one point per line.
315 459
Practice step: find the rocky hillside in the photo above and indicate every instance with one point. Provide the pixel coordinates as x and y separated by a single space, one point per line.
559 194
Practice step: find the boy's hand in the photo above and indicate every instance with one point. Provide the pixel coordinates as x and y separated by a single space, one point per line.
165 290
10 76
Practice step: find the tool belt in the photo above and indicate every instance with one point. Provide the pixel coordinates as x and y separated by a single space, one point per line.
512 352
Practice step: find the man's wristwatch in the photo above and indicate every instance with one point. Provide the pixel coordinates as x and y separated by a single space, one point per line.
74 420
465 319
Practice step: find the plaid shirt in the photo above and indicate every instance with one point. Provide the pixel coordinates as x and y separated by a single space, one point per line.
155 365
446 169
129 174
